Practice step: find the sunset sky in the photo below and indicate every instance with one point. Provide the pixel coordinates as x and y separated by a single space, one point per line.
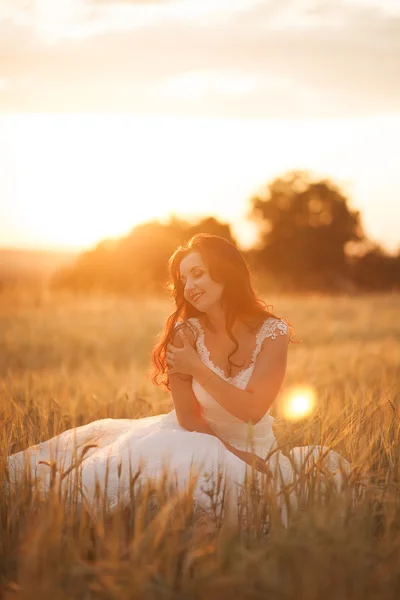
115 112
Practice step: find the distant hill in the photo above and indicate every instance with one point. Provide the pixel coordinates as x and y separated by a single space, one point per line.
20 265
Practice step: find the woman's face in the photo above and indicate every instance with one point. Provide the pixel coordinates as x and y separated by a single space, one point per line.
199 289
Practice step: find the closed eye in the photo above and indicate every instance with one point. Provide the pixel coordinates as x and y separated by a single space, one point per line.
196 274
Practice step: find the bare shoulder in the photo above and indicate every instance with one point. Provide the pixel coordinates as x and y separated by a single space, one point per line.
273 350
270 366
189 331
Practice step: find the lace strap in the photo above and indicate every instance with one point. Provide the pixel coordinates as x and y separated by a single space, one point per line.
194 323
270 328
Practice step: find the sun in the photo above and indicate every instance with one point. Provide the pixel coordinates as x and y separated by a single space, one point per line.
81 180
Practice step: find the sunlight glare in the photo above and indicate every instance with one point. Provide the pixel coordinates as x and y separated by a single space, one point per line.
298 403
73 180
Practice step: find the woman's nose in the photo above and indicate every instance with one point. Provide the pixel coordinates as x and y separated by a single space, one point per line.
189 286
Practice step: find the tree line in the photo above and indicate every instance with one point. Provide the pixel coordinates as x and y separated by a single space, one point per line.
309 239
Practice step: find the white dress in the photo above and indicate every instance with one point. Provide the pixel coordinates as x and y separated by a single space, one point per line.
121 446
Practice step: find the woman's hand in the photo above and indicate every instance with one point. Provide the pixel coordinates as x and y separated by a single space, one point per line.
182 360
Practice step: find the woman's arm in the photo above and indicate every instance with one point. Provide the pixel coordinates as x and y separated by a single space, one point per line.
253 403
186 406
188 410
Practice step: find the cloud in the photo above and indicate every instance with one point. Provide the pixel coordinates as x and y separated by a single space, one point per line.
265 59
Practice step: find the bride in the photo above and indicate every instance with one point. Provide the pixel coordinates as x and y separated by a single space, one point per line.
223 358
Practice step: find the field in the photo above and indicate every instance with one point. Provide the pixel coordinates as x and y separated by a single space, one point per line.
21 266
68 360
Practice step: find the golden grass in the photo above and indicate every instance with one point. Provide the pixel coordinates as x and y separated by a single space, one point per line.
67 361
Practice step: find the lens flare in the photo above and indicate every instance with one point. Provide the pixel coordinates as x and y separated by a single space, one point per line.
298 402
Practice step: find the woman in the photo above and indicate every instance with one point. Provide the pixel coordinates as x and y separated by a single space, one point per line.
223 357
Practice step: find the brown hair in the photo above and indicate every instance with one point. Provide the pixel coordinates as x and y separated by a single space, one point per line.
226 265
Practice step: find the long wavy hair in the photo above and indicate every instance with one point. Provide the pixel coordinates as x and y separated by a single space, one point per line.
226 264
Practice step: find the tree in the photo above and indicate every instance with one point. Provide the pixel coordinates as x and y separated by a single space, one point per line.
136 263
376 270
305 226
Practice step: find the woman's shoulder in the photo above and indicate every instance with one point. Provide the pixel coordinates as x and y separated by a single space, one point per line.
192 323
189 327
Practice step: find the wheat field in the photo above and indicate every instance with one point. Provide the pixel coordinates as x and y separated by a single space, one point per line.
67 361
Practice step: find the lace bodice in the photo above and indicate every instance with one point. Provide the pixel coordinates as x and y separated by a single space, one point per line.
269 328
227 426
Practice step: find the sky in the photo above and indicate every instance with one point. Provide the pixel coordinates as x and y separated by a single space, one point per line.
112 113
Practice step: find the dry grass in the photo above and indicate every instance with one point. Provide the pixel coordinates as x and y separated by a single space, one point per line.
67 361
